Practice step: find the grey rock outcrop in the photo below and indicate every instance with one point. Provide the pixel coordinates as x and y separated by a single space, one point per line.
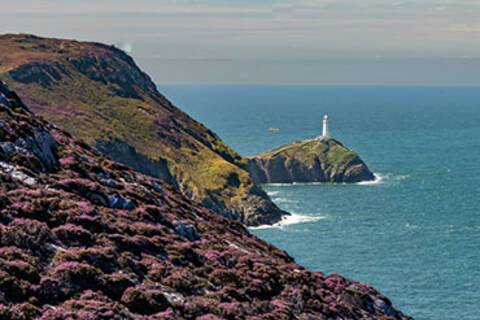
309 161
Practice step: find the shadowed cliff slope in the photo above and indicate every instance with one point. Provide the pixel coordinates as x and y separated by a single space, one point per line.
97 93
83 237
315 160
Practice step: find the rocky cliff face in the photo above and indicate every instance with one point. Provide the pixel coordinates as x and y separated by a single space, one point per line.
309 161
83 237
97 93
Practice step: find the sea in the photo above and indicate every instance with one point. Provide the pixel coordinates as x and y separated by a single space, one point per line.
414 233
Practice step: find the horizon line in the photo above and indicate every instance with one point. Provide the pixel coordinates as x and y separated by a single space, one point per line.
320 84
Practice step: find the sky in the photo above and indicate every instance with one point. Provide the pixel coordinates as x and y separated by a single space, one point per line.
272 41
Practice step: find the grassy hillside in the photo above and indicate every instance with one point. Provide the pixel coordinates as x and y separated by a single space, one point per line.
306 151
97 93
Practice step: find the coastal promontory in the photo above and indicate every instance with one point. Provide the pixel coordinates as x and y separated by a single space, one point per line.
97 93
314 160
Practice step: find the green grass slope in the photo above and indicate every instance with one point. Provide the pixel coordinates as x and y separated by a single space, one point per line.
97 93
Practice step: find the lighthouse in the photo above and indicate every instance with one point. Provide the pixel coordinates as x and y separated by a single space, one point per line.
325 133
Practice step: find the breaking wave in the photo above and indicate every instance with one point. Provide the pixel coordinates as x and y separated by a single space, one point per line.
380 178
383 178
283 200
292 219
272 193
296 184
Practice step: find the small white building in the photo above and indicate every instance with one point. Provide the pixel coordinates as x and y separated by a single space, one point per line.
326 132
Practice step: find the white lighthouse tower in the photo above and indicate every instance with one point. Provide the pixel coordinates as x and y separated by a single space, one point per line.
326 132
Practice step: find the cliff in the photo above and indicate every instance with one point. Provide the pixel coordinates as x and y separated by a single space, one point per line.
97 93
313 160
84 237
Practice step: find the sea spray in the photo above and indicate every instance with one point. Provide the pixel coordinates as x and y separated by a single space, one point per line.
292 219
383 179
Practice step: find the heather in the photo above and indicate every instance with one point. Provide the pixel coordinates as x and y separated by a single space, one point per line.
84 237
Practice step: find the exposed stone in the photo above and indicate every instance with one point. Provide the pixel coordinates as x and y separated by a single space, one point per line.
124 153
316 160
36 72
16 174
186 230
116 201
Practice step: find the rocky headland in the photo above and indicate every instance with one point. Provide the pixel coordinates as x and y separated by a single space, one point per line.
84 237
314 160
98 94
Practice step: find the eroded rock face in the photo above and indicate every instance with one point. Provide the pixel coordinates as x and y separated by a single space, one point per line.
42 73
309 161
67 251
124 153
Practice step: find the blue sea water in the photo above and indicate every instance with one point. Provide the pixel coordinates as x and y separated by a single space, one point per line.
415 234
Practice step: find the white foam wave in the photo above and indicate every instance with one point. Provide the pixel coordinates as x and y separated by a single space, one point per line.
293 218
402 177
383 178
297 184
379 178
283 200
272 193
280 184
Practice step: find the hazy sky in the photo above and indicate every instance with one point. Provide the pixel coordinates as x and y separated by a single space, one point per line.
268 41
